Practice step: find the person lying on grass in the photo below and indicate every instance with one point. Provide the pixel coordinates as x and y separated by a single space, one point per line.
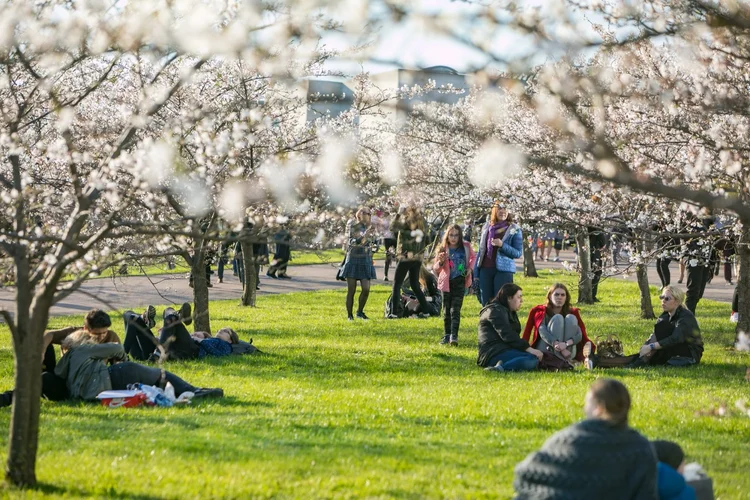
676 340
84 366
500 346
599 457
96 324
224 343
556 327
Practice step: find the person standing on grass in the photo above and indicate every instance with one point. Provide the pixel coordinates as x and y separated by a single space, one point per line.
501 347
453 264
500 243
389 242
358 264
599 457
410 230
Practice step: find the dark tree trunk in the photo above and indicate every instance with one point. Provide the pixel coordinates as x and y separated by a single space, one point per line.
647 308
201 319
743 280
584 267
251 278
27 332
529 268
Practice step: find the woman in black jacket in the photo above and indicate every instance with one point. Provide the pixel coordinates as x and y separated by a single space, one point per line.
676 340
501 347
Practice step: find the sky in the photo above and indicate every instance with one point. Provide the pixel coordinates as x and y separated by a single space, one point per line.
413 45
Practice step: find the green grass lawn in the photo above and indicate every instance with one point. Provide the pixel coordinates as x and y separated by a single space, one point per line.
378 409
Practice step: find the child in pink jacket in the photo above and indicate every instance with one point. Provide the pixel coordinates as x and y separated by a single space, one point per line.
453 264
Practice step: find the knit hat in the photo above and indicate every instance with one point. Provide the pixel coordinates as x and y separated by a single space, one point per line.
669 453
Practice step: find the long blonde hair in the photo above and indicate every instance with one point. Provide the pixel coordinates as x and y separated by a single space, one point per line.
77 339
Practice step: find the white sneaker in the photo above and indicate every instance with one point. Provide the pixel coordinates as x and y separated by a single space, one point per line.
735 317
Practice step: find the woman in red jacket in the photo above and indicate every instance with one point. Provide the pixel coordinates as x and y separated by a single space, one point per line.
556 327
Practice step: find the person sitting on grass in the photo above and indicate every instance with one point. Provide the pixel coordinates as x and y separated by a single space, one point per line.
500 346
84 368
556 327
676 340
671 483
95 324
599 457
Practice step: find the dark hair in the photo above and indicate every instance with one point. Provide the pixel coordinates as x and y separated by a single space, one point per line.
613 397
233 337
455 227
566 306
96 318
507 291
669 453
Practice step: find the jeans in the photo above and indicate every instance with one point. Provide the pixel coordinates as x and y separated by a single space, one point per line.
490 282
452 302
515 360
139 341
410 267
662 269
123 374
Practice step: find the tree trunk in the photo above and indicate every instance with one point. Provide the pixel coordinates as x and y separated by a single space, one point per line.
27 345
201 319
584 267
529 268
743 279
251 278
647 308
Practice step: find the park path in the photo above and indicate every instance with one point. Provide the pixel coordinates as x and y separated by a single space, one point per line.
139 291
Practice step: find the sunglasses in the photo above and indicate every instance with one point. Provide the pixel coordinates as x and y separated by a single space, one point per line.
665 298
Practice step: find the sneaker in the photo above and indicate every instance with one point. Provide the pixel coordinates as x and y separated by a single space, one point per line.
149 316
556 259
679 281
362 315
423 315
170 315
497 368
391 316
209 285
386 279
445 340
272 275
350 318
186 313
208 393
221 280
284 277
454 340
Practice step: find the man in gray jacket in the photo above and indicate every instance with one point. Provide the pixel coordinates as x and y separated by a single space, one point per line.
599 457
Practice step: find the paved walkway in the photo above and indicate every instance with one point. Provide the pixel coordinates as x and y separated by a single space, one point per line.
139 291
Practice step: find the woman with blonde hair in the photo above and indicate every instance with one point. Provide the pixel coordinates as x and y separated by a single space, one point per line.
676 340
556 327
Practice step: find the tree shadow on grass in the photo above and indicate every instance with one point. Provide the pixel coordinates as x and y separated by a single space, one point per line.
53 489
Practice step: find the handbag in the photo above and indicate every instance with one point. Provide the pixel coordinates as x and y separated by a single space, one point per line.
552 363
340 270
609 346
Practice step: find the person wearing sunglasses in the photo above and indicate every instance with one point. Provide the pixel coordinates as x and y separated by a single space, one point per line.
676 340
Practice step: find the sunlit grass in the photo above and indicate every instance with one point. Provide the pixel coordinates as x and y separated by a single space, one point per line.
378 409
